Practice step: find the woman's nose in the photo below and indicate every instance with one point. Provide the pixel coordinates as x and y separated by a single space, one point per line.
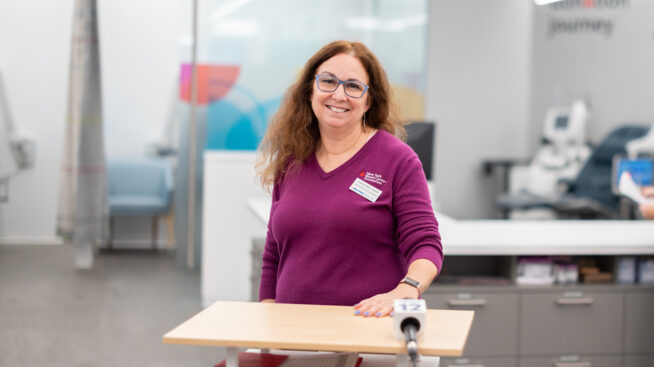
340 92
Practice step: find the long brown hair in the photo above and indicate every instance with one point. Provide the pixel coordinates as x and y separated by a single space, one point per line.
293 131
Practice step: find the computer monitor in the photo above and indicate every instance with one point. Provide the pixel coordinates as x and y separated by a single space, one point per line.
420 137
641 170
561 122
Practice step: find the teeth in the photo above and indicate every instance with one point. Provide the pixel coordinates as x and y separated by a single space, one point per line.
335 109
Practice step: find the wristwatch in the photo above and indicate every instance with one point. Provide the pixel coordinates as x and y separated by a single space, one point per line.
414 283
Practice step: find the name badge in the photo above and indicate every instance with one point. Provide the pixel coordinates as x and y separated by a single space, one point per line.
365 189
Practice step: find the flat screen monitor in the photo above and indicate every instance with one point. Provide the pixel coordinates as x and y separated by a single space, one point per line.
561 122
641 170
420 137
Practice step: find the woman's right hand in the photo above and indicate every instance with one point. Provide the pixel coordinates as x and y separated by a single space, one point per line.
268 300
647 210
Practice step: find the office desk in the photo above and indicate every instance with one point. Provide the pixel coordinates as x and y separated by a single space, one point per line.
530 237
315 328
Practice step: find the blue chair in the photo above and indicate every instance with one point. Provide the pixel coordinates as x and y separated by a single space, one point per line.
139 188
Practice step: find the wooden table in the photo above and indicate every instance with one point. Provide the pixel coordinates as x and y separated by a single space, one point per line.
315 328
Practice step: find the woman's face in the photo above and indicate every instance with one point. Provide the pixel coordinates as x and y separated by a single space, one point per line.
336 109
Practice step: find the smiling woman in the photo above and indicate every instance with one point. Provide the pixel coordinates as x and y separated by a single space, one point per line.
294 131
339 112
351 221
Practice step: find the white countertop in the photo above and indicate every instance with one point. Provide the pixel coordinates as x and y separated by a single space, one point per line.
530 237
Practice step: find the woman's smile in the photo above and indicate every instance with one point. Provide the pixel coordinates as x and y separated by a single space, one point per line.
338 109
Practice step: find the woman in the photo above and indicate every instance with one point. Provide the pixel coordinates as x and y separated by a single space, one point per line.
351 221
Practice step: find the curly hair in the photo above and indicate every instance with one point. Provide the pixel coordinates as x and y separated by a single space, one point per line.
293 132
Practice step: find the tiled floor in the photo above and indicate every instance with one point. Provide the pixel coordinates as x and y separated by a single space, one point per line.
112 315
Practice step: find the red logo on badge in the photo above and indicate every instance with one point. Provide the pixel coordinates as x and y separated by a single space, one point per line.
362 174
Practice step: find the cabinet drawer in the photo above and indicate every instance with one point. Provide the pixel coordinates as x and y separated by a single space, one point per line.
571 361
639 361
639 322
495 327
479 362
571 322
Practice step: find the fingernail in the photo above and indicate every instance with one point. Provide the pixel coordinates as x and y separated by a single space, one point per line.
392 314
378 314
366 313
357 312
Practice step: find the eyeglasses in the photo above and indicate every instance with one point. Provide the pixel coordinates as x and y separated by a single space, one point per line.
328 83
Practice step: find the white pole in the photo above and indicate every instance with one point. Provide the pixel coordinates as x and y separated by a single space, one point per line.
190 233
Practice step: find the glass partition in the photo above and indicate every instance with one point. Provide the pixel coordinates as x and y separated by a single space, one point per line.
249 53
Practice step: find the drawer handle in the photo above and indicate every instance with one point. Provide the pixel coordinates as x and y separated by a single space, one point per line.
467 302
573 364
575 301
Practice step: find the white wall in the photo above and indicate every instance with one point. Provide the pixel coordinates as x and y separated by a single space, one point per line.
35 48
139 61
614 70
140 67
478 94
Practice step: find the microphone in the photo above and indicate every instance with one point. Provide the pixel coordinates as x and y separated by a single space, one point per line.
409 315
410 327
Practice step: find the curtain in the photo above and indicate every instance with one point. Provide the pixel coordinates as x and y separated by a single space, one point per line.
83 212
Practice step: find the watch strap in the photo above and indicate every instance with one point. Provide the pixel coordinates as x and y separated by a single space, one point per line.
414 283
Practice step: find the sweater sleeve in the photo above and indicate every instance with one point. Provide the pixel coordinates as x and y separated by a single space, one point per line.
270 259
416 226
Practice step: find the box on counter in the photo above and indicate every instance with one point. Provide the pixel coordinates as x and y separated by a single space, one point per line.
646 270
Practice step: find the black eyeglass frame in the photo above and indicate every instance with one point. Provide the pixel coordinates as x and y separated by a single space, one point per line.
344 82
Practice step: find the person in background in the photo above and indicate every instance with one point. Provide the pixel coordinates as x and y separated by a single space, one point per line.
351 221
648 209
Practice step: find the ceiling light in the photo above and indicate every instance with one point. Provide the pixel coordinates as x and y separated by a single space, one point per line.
545 2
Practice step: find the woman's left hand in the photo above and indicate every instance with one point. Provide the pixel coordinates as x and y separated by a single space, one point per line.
382 304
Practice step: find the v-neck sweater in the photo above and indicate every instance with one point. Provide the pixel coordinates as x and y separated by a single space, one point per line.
331 243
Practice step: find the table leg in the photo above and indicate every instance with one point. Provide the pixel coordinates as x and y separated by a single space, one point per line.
232 357
402 360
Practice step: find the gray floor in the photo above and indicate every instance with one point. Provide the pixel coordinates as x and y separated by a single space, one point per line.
112 315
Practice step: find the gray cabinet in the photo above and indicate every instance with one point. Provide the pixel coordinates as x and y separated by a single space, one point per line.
639 361
571 322
639 322
479 362
495 328
571 361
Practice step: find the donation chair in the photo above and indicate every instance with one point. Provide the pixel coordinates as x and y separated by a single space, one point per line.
589 195
139 188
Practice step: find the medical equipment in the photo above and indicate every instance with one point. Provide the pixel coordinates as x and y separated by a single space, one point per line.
562 155
644 145
589 195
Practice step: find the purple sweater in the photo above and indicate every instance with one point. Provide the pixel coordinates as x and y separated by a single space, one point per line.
327 244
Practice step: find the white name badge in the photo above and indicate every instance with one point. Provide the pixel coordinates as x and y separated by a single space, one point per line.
365 189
